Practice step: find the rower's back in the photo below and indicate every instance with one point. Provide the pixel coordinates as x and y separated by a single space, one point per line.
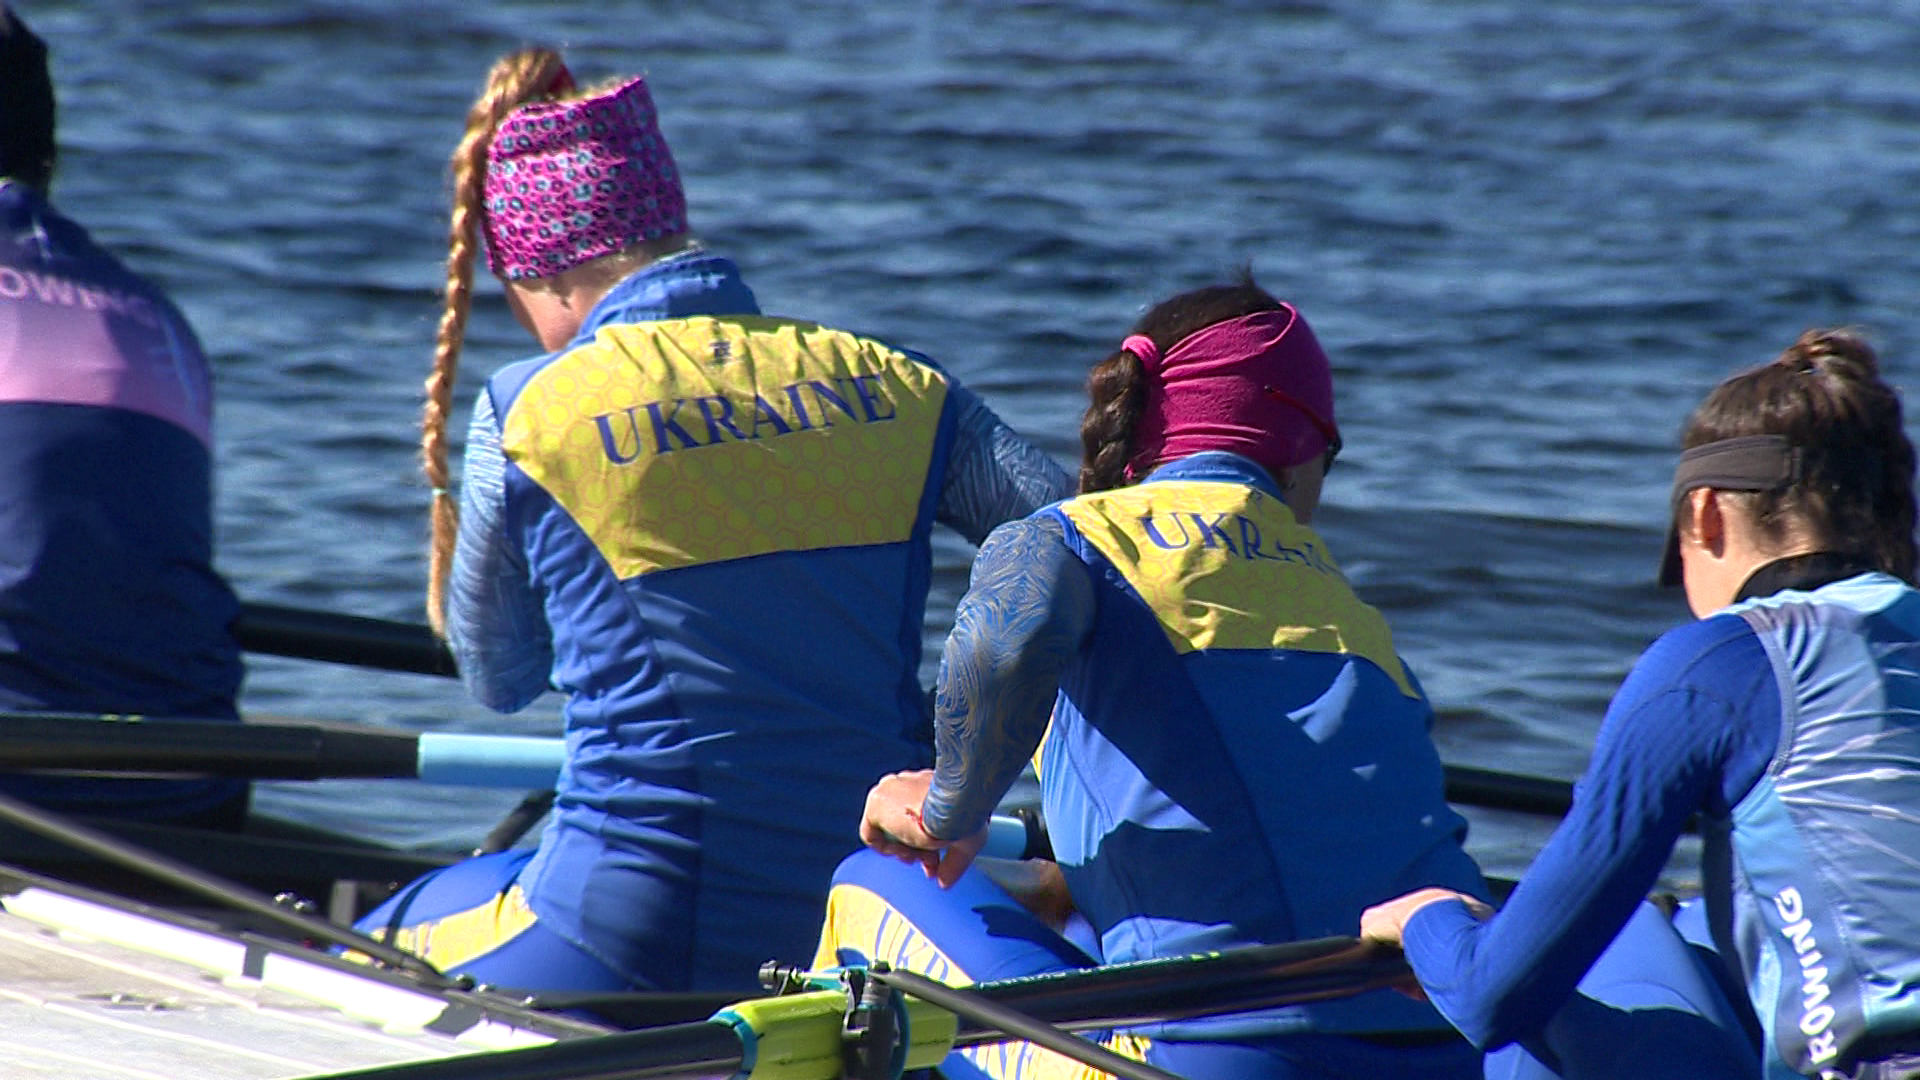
109 602
1238 756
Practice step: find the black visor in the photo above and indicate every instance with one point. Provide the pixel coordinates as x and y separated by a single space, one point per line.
1747 463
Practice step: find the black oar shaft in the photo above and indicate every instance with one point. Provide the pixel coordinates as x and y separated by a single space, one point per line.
1182 988
261 750
398 646
1505 791
342 639
1122 995
698 1051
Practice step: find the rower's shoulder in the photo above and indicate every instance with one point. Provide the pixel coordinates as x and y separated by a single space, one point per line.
1704 649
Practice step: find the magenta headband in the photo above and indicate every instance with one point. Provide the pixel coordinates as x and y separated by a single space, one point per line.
1258 385
572 181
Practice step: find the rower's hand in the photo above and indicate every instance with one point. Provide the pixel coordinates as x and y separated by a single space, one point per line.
1387 923
892 826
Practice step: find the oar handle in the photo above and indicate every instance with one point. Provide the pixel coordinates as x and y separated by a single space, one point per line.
1018 834
495 761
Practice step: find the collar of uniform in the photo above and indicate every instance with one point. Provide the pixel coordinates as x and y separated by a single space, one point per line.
1803 573
1218 466
686 283
19 203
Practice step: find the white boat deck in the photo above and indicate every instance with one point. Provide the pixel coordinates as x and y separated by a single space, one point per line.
91 991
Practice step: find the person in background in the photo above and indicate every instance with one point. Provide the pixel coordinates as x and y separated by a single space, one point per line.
109 602
709 527
1230 750
1787 718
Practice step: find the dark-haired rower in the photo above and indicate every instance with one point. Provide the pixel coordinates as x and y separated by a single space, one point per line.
109 602
1788 717
1236 755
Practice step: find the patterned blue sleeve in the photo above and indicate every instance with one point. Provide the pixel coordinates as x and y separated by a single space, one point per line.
495 623
1693 727
993 475
1028 609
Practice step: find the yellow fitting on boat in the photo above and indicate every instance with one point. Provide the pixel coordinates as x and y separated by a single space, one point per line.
798 1036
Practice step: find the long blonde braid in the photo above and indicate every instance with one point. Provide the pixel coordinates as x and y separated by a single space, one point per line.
527 75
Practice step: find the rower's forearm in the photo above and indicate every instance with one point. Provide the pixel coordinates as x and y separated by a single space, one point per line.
1025 615
983 739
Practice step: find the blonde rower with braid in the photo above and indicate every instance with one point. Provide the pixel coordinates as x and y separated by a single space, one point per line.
708 527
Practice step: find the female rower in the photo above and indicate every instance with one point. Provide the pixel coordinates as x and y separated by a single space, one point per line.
1788 718
709 527
1236 754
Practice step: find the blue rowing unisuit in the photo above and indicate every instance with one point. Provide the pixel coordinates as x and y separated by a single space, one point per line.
1821 803
1236 755
711 529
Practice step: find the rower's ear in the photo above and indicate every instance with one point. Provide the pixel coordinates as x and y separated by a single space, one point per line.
1703 520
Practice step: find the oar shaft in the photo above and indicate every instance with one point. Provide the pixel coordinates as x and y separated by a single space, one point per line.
1471 786
342 639
1085 999
274 749
398 646
697 1051
1181 988
285 749
208 747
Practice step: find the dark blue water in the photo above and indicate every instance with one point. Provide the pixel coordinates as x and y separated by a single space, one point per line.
1530 235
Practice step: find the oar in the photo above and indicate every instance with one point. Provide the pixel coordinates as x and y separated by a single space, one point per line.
280 748
304 634
397 646
285 748
1470 786
274 748
806 1030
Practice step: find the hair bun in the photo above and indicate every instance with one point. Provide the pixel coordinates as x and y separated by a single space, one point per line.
1842 354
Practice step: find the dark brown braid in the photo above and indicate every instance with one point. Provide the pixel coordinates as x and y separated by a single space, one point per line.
1824 394
1117 386
1116 393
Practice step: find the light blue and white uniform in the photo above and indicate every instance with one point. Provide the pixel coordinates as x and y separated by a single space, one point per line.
1791 723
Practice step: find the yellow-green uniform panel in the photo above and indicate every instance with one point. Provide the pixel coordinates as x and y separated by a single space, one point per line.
1225 566
698 440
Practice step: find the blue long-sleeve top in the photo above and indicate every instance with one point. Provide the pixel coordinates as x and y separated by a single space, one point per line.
1028 609
1692 729
495 623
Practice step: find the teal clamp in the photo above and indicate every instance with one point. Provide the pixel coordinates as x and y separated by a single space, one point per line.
749 1040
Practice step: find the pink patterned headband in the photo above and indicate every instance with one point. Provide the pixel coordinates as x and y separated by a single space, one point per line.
1258 385
571 181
